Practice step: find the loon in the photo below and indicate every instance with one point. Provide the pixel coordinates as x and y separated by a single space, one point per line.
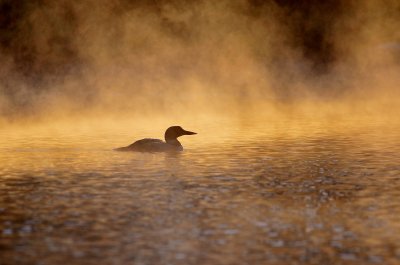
156 145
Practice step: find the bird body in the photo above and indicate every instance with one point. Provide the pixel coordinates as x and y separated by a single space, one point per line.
156 145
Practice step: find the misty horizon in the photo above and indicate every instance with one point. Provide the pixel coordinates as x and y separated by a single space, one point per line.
152 57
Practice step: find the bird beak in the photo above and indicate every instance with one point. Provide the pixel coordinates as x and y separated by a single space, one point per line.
188 132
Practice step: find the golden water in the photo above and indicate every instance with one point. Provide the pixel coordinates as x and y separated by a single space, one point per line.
272 193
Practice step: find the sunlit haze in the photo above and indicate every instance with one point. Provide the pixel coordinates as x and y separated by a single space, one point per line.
295 106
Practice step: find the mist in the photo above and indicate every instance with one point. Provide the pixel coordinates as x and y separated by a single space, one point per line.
180 59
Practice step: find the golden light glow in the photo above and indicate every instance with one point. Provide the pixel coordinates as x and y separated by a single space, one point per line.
202 61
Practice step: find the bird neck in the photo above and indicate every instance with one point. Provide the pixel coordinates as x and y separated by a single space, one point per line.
173 141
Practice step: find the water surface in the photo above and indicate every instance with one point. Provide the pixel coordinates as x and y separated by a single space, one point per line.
280 193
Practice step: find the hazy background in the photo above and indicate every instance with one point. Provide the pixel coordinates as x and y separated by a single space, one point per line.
173 59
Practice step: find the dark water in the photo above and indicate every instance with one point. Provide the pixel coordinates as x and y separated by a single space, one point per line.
306 194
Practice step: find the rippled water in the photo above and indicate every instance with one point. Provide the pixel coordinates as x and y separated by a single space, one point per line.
266 194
